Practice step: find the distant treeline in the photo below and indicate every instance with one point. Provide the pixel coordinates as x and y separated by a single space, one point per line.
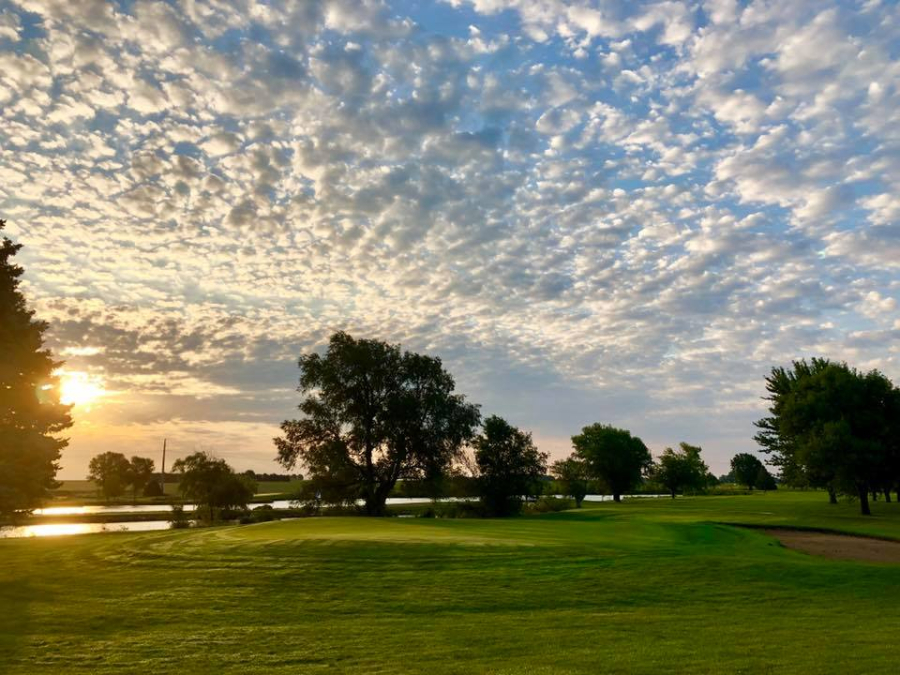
172 477
378 422
272 477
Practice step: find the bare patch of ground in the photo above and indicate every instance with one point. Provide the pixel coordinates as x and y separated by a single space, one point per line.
839 546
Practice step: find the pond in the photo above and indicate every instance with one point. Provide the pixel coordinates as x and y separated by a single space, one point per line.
155 508
57 529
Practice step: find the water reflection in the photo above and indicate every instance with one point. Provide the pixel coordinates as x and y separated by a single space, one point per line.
113 508
58 529
151 508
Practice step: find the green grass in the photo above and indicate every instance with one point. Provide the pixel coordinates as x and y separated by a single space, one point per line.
643 587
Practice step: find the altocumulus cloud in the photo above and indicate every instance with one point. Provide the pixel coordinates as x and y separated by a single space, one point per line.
615 211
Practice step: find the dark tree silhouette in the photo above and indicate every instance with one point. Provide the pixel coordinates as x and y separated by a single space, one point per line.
213 485
745 468
682 469
373 415
571 474
31 415
509 466
613 456
140 474
765 480
834 426
111 471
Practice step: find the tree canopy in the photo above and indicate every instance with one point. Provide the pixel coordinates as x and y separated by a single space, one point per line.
571 474
140 474
373 415
614 456
509 466
682 469
114 473
212 484
111 471
746 469
31 415
833 426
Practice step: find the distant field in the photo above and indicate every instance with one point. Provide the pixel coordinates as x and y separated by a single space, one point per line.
87 489
647 586
279 487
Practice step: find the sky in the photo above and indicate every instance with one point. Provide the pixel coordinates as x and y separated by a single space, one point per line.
609 211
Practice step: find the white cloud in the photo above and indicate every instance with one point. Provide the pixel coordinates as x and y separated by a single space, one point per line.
639 215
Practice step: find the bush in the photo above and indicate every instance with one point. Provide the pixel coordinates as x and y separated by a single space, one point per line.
550 505
261 514
453 510
178 520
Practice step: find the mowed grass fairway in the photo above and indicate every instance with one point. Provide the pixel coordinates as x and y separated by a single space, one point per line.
646 586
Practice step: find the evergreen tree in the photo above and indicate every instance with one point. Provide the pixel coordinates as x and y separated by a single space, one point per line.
30 412
832 426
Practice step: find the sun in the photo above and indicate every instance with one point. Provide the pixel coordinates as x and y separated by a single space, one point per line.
79 388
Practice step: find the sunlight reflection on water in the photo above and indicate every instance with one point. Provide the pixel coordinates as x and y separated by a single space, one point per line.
59 529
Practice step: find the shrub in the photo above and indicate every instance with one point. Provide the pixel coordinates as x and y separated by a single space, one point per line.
454 510
178 520
261 514
550 505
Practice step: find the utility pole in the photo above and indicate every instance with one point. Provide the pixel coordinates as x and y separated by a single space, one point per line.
164 467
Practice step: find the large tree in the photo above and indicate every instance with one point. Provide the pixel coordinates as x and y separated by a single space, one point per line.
509 466
212 485
682 469
571 474
833 425
746 469
111 471
613 456
140 474
778 435
31 415
373 415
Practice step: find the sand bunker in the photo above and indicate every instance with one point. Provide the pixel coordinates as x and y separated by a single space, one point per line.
839 546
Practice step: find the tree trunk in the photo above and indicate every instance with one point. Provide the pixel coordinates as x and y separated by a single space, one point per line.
376 500
617 497
832 495
864 501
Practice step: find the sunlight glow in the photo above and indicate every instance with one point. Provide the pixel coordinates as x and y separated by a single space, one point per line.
79 388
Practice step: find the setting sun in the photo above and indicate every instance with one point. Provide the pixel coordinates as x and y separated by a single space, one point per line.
79 388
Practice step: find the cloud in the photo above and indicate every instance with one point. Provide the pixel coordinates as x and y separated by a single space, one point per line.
606 211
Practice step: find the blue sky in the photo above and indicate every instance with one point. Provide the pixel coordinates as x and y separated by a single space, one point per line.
624 212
